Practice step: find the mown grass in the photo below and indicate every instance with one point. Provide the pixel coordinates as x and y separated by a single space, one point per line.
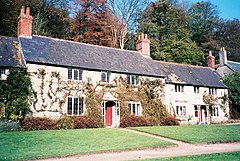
232 156
41 144
197 133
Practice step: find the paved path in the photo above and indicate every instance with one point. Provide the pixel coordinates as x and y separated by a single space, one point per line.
180 150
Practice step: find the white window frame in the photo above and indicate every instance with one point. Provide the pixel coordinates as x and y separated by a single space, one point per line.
196 89
181 110
179 88
215 111
135 108
2 72
76 74
133 79
79 112
213 91
106 78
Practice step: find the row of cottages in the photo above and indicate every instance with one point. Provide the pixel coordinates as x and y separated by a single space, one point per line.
63 72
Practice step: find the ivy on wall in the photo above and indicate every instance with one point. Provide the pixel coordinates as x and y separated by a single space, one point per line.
149 93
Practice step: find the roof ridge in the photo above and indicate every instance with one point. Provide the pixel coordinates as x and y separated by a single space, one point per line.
57 39
180 64
234 62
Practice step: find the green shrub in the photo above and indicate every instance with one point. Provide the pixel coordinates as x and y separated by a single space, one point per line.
169 121
133 121
65 122
84 122
9 126
38 123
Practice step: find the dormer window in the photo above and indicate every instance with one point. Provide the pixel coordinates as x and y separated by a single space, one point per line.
75 74
133 79
179 88
105 77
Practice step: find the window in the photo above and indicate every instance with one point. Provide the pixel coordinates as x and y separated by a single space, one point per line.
181 110
213 91
134 108
75 106
215 111
75 74
133 79
2 72
196 110
196 89
105 77
179 88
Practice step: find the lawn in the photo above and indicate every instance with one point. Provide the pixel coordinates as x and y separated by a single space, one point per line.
197 133
233 156
40 144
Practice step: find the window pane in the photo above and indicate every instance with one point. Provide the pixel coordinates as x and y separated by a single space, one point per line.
80 74
133 109
75 106
80 106
103 77
128 79
2 71
75 74
69 106
108 77
69 73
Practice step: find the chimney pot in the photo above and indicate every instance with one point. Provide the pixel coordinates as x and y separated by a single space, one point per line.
210 53
22 11
28 11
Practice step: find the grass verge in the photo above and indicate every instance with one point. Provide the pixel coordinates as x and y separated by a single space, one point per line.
233 156
42 144
196 133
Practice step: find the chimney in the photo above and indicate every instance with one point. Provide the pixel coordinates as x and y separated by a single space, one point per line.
143 45
25 23
211 60
222 56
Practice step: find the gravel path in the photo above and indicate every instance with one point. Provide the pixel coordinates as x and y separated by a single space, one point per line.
180 150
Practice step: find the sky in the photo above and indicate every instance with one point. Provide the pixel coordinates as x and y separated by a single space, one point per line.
228 9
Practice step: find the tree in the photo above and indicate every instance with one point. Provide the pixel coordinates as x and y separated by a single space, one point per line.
233 83
166 25
51 17
15 94
202 23
91 24
8 17
127 12
228 35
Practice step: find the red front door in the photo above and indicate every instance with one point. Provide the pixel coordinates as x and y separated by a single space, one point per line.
109 116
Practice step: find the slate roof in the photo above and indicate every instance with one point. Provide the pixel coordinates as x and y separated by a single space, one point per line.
191 75
53 51
235 66
9 52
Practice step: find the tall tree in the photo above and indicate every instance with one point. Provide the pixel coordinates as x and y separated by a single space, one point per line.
91 24
127 12
228 35
202 23
166 24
